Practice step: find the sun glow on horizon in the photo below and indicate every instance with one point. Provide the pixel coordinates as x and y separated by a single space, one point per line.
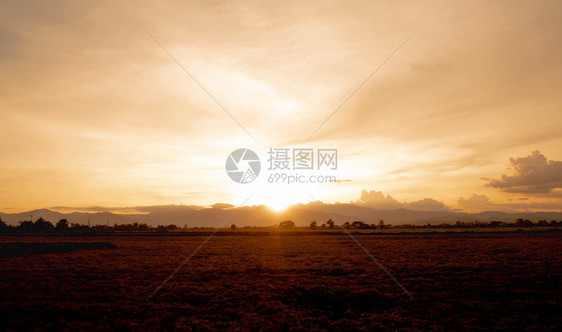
278 206
278 197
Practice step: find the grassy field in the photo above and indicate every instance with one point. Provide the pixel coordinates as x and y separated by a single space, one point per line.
283 281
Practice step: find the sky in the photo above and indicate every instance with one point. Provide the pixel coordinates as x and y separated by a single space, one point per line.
441 104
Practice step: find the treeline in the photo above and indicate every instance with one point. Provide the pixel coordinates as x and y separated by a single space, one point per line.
491 224
459 224
42 225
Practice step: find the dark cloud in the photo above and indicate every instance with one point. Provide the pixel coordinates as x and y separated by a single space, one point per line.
222 206
87 208
129 209
167 208
533 174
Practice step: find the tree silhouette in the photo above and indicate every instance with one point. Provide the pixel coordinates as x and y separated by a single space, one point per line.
233 227
330 224
286 224
26 226
42 225
359 225
542 223
313 225
62 225
523 223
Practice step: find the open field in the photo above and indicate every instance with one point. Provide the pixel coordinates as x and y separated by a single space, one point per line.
284 281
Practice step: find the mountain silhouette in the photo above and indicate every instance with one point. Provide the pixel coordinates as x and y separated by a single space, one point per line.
260 215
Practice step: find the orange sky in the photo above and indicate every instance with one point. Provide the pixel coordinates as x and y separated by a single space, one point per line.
94 112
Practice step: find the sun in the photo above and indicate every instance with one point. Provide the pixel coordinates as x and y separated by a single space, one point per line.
275 196
279 206
280 197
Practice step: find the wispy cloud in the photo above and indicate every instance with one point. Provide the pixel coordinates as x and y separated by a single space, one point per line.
93 113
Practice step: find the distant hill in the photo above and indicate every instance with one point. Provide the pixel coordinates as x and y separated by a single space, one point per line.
301 214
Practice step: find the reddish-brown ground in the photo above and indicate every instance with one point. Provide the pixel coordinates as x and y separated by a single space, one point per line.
284 282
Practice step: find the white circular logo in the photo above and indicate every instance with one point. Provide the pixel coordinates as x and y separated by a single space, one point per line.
243 166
